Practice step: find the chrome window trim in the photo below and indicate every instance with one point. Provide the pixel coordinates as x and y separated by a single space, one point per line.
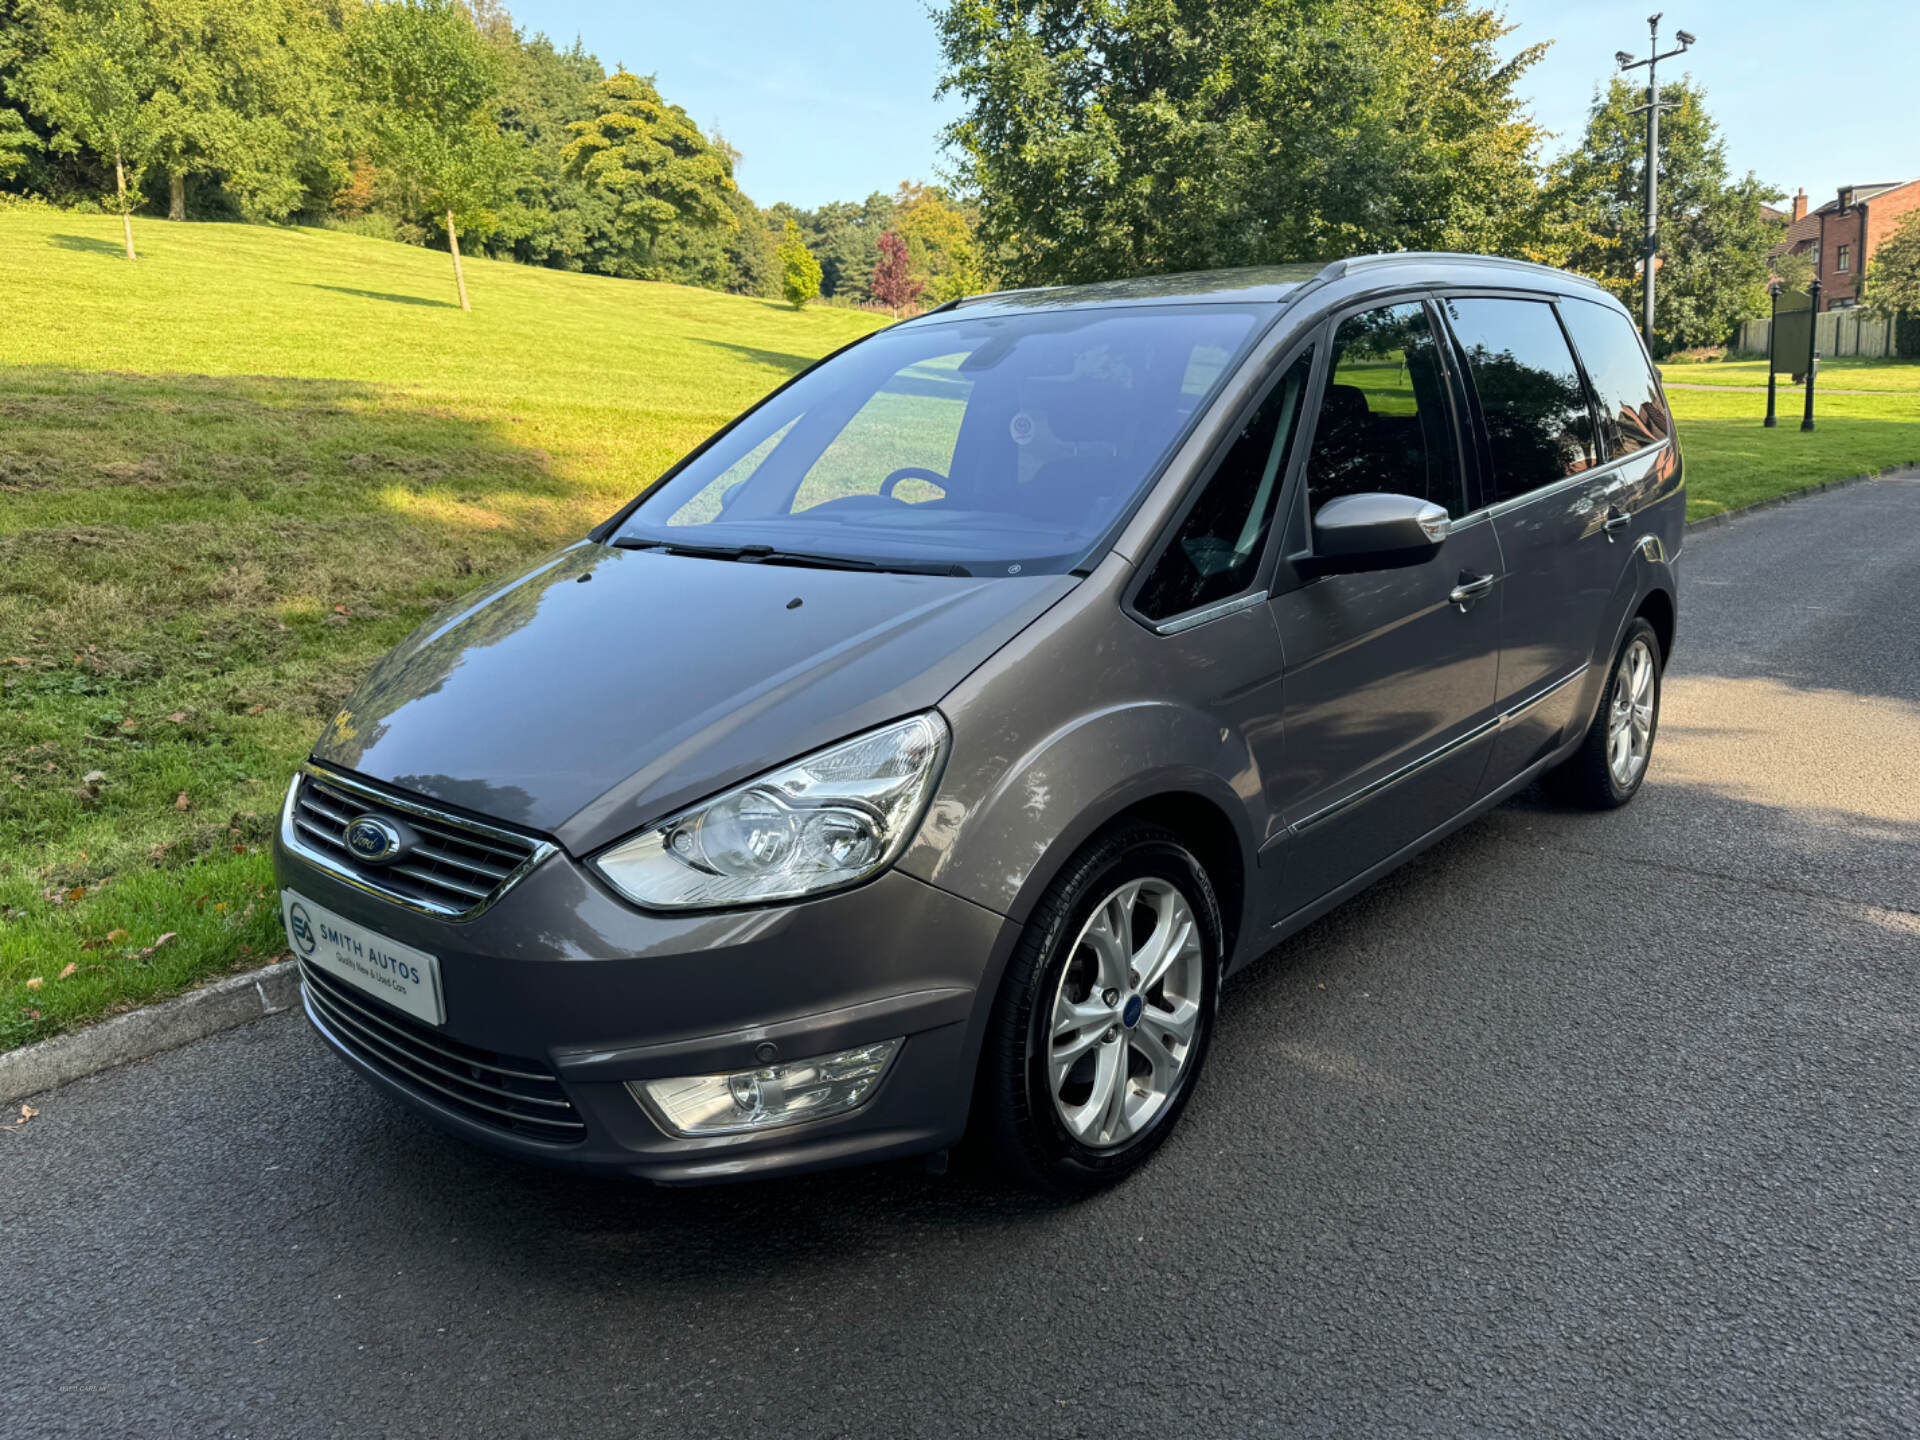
291 841
1441 752
1585 477
1219 610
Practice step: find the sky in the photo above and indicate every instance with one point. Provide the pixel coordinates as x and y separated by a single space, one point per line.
832 101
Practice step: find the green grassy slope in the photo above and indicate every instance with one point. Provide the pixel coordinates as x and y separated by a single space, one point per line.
230 476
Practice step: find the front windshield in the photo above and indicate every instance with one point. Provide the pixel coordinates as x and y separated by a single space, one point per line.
995 445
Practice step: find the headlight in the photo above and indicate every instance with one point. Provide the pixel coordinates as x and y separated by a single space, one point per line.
837 816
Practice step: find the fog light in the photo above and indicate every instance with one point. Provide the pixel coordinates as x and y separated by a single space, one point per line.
769 1096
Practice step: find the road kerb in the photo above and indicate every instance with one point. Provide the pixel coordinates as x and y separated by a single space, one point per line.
138 1034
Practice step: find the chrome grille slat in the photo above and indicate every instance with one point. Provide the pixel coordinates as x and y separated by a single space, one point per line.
427 877
456 867
485 872
412 1055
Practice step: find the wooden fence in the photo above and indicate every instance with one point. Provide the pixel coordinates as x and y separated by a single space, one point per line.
1841 332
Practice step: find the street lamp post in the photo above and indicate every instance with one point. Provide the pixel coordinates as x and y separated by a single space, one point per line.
1653 108
1773 330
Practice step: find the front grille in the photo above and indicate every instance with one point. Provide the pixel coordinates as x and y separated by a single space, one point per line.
458 865
503 1091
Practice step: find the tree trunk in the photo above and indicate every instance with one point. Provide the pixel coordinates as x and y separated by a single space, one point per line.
126 218
177 200
459 276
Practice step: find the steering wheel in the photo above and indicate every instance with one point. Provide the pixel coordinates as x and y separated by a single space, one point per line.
912 472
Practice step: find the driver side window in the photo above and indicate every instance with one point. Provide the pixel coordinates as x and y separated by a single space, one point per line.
911 423
1384 423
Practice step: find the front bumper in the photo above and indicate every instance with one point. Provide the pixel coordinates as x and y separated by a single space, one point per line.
561 971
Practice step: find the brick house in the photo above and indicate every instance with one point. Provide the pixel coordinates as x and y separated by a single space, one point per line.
1842 234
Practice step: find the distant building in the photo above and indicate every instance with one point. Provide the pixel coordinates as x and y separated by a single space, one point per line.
1841 236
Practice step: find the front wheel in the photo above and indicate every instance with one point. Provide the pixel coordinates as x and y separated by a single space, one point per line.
1103 1022
1606 771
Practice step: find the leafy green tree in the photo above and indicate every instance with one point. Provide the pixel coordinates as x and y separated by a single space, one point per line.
799 271
18 143
1893 275
1140 136
247 94
431 88
652 161
91 79
940 240
1794 272
1714 237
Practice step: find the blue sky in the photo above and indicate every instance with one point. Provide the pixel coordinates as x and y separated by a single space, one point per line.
833 101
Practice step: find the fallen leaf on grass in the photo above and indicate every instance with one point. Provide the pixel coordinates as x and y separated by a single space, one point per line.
178 717
71 967
115 936
180 801
36 982
79 892
146 953
93 777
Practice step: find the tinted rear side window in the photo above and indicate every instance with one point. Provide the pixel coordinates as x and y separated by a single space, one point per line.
1217 549
1631 415
1538 426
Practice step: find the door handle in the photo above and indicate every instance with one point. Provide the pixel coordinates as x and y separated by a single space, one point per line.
1616 521
1471 588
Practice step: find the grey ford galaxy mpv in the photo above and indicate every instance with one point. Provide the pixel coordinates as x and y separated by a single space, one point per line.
920 754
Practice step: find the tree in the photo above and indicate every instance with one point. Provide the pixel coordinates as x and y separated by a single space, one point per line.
1714 237
1793 271
940 238
652 161
17 143
1893 277
91 79
431 87
1139 136
799 271
247 93
893 283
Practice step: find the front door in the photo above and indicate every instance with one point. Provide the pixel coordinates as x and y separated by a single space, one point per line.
1389 673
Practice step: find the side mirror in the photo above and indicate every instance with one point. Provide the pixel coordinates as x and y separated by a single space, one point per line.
1377 531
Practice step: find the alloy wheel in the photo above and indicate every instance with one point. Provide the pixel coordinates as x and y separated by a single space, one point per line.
1630 722
1125 1013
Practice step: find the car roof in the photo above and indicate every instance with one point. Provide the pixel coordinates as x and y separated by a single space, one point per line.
1272 284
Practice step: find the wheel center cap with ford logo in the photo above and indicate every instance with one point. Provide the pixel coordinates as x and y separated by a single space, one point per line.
375 840
1130 1016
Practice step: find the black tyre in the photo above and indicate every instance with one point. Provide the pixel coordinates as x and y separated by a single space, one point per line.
1608 768
1102 1024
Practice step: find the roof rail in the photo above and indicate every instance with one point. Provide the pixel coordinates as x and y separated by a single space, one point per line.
1367 262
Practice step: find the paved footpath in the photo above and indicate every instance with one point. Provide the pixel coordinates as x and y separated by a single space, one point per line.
1578 1125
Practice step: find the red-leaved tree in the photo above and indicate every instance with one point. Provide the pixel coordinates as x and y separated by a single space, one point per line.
893 284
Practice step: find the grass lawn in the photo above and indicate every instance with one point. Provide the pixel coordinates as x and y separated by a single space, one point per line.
1849 373
232 474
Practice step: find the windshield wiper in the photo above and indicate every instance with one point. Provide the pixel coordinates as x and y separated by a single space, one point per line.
767 555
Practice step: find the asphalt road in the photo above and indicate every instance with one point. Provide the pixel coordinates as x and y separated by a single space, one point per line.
1578 1124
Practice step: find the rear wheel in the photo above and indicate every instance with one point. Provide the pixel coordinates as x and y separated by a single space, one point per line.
1606 771
1103 1023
